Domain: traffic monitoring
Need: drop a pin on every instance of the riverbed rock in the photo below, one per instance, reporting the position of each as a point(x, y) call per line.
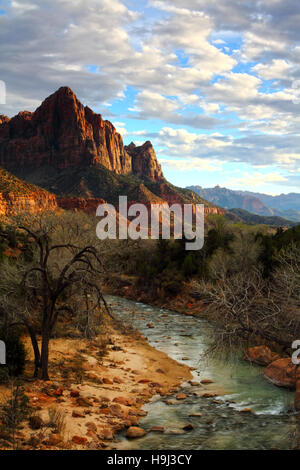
point(79, 440)
point(54, 439)
point(207, 381)
point(188, 427)
point(107, 434)
point(84, 402)
point(157, 429)
point(181, 396)
point(193, 383)
point(281, 373)
point(261, 355)
point(134, 432)
point(91, 426)
point(107, 381)
point(124, 401)
point(246, 410)
point(77, 414)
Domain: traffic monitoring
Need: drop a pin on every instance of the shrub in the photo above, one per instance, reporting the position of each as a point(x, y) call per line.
point(57, 420)
point(13, 411)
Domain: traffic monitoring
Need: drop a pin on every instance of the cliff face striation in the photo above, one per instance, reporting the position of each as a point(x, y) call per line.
point(62, 134)
point(17, 197)
point(144, 161)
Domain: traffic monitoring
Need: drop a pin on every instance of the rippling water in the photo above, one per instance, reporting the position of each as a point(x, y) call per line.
point(222, 425)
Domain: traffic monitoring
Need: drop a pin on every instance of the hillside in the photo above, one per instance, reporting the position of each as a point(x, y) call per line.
point(17, 196)
point(286, 206)
point(254, 219)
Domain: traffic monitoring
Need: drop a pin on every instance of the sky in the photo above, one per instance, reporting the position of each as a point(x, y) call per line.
point(215, 85)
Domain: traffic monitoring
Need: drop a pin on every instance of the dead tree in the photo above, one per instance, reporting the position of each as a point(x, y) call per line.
point(63, 278)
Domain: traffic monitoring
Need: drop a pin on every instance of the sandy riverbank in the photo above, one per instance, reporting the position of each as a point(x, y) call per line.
point(110, 396)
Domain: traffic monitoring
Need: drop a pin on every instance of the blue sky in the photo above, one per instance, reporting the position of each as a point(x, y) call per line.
point(214, 85)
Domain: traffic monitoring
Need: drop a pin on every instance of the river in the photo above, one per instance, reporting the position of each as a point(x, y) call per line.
point(222, 425)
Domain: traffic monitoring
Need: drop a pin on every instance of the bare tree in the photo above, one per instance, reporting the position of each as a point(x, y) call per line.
point(247, 307)
point(62, 278)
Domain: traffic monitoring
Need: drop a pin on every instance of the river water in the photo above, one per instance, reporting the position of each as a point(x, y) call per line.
point(222, 425)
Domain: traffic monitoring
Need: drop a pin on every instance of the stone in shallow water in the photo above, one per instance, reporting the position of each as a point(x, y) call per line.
point(134, 432)
point(157, 429)
point(181, 396)
point(188, 427)
point(246, 410)
point(207, 381)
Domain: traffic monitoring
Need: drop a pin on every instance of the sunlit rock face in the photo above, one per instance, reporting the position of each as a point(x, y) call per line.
point(62, 133)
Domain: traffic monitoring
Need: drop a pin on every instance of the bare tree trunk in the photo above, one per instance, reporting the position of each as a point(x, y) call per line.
point(36, 350)
point(45, 355)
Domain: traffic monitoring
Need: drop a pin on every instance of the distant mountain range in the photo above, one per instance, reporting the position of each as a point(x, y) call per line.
point(254, 219)
point(284, 205)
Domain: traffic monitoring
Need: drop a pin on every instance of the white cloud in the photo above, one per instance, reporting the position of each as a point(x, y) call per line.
point(191, 164)
point(256, 179)
point(278, 68)
point(179, 62)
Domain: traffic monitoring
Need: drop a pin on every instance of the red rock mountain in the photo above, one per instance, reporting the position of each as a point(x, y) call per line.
point(62, 133)
point(72, 152)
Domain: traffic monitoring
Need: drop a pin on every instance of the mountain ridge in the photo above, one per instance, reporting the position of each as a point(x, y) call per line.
point(63, 133)
point(75, 154)
point(284, 205)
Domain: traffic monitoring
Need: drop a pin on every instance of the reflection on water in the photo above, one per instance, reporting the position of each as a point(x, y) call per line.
point(222, 425)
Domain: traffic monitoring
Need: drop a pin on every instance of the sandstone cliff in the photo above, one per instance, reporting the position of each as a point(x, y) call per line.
point(144, 161)
point(62, 133)
point(17, 197)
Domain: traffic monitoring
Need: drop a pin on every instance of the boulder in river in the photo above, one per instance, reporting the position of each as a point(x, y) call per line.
point(135, 431)
point(157, 429)
point(261, 355)
point(282, 373)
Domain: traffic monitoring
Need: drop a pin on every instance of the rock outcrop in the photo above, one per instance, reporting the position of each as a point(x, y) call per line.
point(3, 118)
point(62, 133)
point(144, 161)
point(15, 204)
point(17, 197)
point(79, 203)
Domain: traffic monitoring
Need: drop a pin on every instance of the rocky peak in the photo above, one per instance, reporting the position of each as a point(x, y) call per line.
point(3, 119)
point(144, 161)
point(62, 133)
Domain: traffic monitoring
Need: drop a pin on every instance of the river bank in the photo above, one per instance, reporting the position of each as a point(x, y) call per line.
point(106, 399)
point(156, 378)
point(183, 302)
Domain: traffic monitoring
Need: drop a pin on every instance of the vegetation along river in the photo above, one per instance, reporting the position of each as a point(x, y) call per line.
point(239, 385)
